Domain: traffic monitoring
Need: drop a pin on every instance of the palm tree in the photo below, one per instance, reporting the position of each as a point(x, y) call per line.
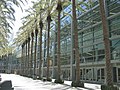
point(28, 21)
point(76, 53)
point(108, 67)
point(7, 17)
point(31, 59)
point(26, 52)
point(26, 28)
point(40, 61)
point(44, 48)
point(59, 9)
point(76, 49)
point(3, 38)
point(39, 7)
point(47, 6)
point(6, 20)
point(52, 13)
point(48, 41)
point(35, 53)
point(28, 55)
point(22, 58)
point(22, 39)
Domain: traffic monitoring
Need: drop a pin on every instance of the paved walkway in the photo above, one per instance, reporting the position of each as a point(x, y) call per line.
point(24, 83)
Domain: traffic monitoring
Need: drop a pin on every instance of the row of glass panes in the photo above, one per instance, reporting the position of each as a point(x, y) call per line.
point(115, 26)
point(91, 36)
point(89, 18)
point(113, 6)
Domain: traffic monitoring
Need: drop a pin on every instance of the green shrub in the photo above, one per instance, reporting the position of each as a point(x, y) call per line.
point(77, 84)
point(105, 87)
point(59, 81)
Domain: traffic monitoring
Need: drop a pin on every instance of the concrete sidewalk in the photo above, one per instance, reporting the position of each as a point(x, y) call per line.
point(24, 83)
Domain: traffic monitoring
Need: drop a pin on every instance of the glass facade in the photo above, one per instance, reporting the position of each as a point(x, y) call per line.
point(90, 40)
point(91, 45)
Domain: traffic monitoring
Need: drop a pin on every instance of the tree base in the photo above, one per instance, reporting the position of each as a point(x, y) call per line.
point(49, 79)
point(105, 87)
point(39, 78)
point(59, 81)
point(44, 79)
point(77, 84)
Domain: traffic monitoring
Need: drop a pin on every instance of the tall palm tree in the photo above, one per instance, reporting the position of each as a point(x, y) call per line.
point(22, 58)
point(35, 53)
point(7, 13)
point(28, 55)
point(59, 9)
point(6, 20)
point(108, 67)
point(31, 59)
point(22, 38)
point(27, 22)
point(40, 61)
point(48, 8)
point(48, 42)
point(26, 52)
point(39, 8)
point(44, 48)
point(76, 49)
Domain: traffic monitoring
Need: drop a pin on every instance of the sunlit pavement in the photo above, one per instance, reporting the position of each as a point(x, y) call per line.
point(23, 83)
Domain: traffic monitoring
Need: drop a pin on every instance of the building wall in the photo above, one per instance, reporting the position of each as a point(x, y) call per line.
point(91, 46)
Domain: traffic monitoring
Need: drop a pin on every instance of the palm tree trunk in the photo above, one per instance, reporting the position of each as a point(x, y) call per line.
point(31, 61)
point(58, 53)
point(59, 8)
point(106, 43)
point(74, 27)
point(48, 42)
point(40, 61)
point(26, 59)
point(22, 60)
point(35, 53)
point(44, 48)
point(28, 56)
